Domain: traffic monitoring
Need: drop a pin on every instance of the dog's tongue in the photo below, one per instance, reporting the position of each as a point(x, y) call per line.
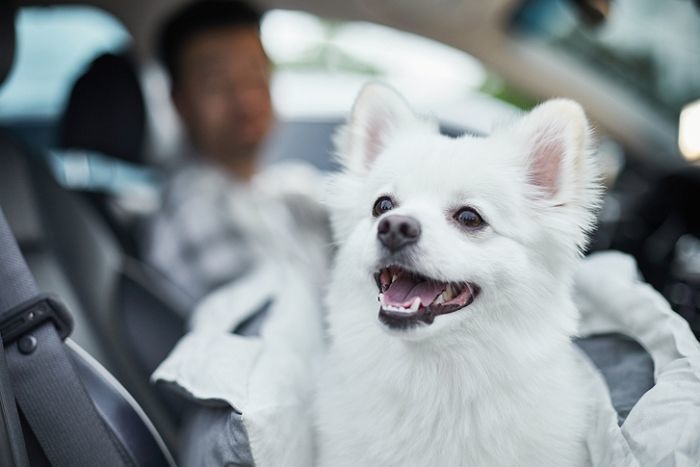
point(404, 290)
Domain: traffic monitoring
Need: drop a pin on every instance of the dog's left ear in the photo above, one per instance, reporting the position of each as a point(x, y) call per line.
point(557, 136)
point(379, 111)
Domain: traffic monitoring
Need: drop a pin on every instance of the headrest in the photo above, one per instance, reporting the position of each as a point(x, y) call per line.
point(106, 112)
point(17, 196)
point(7, 38)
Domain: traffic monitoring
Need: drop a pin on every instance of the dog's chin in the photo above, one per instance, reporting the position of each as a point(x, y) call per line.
point(413, 306)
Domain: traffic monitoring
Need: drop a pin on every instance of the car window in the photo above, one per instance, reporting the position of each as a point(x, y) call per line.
point(320, 64)
point(54, 44)
point(647, 46)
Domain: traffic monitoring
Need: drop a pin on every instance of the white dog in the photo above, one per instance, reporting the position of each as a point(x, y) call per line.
point(449, 304)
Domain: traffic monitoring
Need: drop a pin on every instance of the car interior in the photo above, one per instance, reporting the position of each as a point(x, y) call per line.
point(72, 253)
point(78, 236)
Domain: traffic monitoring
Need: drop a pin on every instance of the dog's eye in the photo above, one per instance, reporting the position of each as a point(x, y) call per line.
point(468, 217)
point(382, 205)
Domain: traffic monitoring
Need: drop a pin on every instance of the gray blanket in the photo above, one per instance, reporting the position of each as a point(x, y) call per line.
point(216, 436)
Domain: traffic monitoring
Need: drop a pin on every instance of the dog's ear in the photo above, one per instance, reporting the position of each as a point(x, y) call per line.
point(557, 136)
point(378, 112)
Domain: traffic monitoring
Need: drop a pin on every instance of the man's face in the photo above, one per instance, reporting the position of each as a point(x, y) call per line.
point(223, 94)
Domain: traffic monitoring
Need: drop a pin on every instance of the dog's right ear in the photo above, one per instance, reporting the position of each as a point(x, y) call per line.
point(378, 112)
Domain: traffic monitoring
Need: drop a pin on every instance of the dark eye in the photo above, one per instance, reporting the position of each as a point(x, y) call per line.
point(469, 218)
point(382, 205)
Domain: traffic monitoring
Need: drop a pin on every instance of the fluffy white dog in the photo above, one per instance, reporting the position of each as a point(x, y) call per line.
point(450, 308)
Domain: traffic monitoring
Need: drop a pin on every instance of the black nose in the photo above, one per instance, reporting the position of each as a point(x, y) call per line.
point(395, 231)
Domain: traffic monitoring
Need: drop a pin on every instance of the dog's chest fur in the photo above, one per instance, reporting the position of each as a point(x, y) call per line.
point(377, 407)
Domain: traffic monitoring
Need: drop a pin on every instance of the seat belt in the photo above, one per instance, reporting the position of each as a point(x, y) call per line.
point(48, 390)
point(10, 429)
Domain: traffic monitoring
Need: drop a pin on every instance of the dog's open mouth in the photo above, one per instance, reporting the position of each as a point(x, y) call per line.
point(407, 298)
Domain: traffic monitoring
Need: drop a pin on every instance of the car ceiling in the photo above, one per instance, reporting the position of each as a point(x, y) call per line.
point(477, 27)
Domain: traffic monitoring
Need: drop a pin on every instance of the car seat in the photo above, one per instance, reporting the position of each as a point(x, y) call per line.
point(71, 410)
point(106, 116)
point(126, 315)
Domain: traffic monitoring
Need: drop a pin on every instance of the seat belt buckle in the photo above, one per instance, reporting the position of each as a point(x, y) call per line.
point(33, 313)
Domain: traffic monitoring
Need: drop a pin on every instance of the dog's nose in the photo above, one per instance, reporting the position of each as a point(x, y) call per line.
point(396, 231)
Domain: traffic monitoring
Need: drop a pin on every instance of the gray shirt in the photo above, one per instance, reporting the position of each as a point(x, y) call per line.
point(213, 229)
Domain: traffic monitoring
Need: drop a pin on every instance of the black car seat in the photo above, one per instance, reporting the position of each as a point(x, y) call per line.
point(59, 407)
point(126, 315)
point(106, 114)
point(106, 110)
point(71, 410)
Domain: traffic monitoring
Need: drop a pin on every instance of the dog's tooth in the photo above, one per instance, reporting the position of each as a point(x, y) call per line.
point(449, 292)
point(393, 278)
point(416, 304)
point(440, 299)
point(380, 297)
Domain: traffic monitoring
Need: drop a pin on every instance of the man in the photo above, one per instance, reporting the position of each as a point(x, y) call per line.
point(220, 219)
point(249, 240)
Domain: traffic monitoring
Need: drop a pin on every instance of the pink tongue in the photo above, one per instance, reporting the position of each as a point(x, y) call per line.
point(404, 290)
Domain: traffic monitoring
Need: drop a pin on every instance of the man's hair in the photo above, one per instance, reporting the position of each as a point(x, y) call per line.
point(196, 18)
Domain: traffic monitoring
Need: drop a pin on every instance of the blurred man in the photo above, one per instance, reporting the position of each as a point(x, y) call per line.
point(220, 219)
point(252, 241)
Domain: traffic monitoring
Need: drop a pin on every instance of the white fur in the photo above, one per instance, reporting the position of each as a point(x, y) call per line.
point(496, 383)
